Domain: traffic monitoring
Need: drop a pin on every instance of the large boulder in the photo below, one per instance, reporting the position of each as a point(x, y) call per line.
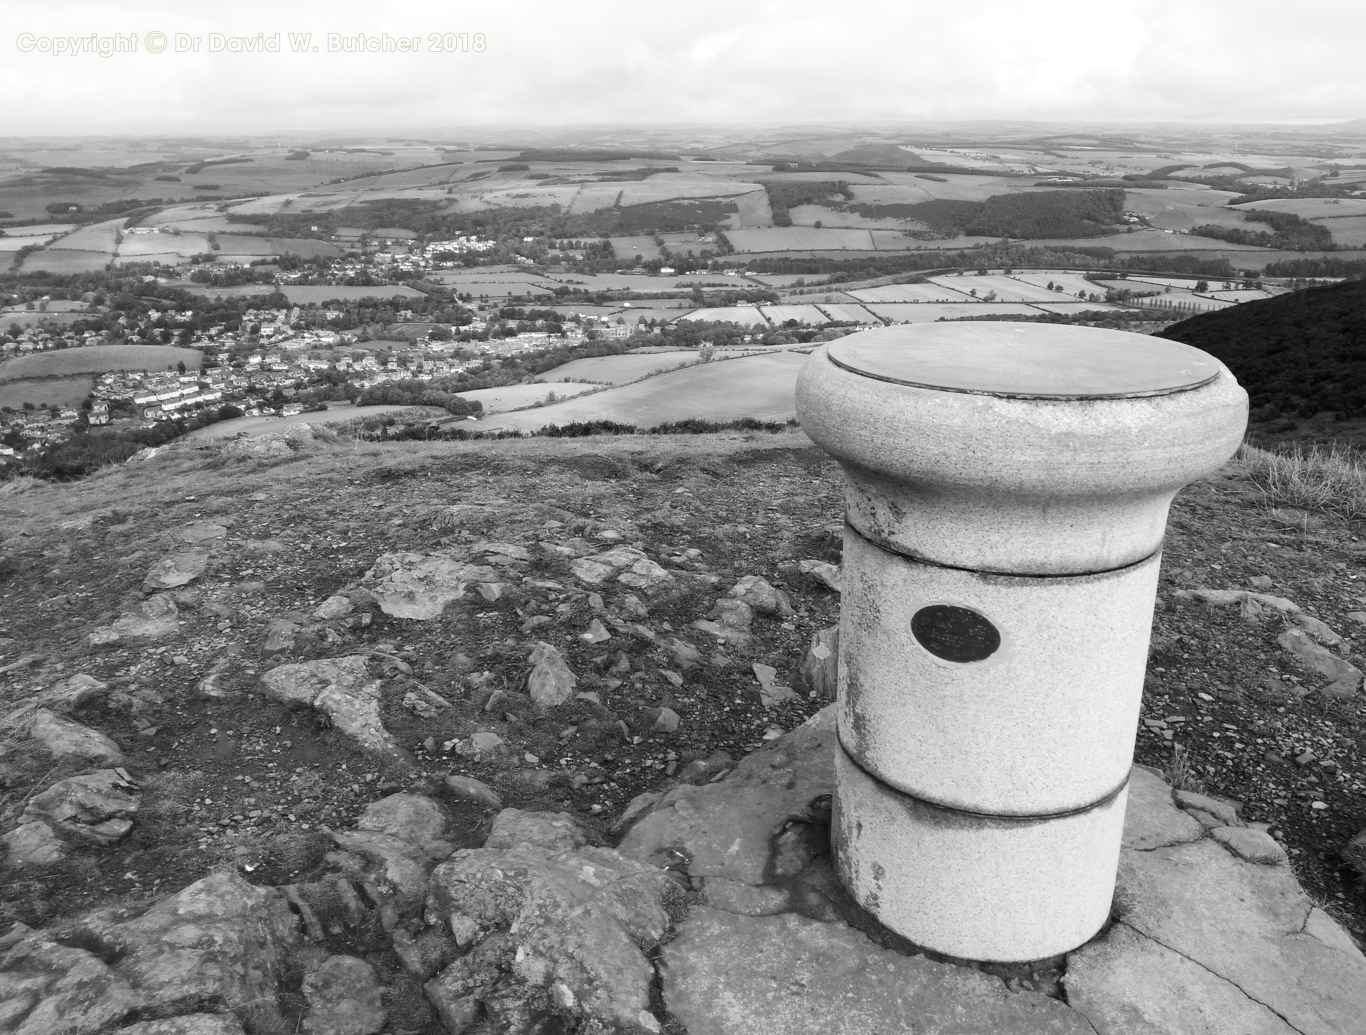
point(411, 817)
point(67, 739)
point(550, 681)
point(341, 689)
point(178, 569)
point(47, 988)
point(156, 618)
point(220, 941)
point(419, 586)
point(98, 807)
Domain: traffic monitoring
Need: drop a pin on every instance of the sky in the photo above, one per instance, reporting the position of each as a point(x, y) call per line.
point(608, 62)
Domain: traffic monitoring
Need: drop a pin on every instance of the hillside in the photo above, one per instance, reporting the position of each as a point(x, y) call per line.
point(1298, 355)
point(149, 602)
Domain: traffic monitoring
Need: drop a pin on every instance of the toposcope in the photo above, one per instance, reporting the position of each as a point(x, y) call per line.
point(1006, 496)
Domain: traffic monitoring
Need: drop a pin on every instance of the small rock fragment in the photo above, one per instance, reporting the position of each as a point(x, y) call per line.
point(550, 681)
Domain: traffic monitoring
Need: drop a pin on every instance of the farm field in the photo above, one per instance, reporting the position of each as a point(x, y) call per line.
point(931, 291)
point(1182, 210)
point(929, 312)
point(185, 244)
point(753, 210)
point(1007, 289)
point(230, 291)
point(514, 397)
point(336, 413)
point(305, 294)
point(1311, 208)
point(745, 315)
point(1071, 282)
point(796, 238)
point(1068, 308)
point(98, 359)
point(66, 260)
point(618, 370)
point(13, 244)
point(55, 391)
point(1347, 231)
point(845, 313)
point(625, 248)
point(97, 237)
point(809, 215)
point(762, 387)
point(35, 318)
point(780, 314)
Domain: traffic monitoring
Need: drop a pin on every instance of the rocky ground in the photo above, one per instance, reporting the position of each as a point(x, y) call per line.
point(216, 660)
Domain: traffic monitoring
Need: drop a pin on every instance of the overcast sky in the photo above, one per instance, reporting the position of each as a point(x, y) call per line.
point(574, 62)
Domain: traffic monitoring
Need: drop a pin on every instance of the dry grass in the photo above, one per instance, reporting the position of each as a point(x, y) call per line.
point(1327, 479)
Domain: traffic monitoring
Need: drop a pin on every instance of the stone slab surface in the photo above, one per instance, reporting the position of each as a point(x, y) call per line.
point(1244, 923)
point(726, 829)
point(1150, 821)
point(1127, 984)
point(790, 975)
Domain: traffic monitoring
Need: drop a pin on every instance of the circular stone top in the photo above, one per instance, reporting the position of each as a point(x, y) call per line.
point(1025, 360)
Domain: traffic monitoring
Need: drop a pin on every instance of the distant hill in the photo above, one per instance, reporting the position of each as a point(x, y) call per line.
point(1297, 355)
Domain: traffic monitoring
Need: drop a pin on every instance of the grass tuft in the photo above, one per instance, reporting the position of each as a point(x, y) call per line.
point(1328, 479)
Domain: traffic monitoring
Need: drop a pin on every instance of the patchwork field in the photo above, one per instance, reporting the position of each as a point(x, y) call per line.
point(1006, 289)
point(618, 370)
point(929, 312)
point(66, 260)
point(762, 387)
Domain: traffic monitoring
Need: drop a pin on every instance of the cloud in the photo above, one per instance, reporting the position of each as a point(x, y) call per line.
point(608, 61)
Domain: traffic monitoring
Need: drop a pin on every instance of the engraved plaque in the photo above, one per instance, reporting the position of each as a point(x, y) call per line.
point(955, 633)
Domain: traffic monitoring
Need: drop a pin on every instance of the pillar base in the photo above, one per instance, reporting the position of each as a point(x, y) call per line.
point(1001, 889)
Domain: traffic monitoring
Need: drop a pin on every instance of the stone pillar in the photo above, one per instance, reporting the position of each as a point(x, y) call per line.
point(1006, 490)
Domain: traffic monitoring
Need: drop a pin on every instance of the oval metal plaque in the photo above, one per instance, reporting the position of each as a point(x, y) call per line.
point(955, 633)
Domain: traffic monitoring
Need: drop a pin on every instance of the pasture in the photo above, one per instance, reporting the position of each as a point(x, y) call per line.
point(516, 397)
point(762, 387)
point(1184, 210)
point(807, 314)
point(754, 210)
point(618, 370)
point(1071, 282)
point(745, 315)
point(66, 260)
point(798, 238)
point(309, 294)
point(1312, 208)
point(626, 247)
point(1006, 289)
point(98, 359)
point(55, 391)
